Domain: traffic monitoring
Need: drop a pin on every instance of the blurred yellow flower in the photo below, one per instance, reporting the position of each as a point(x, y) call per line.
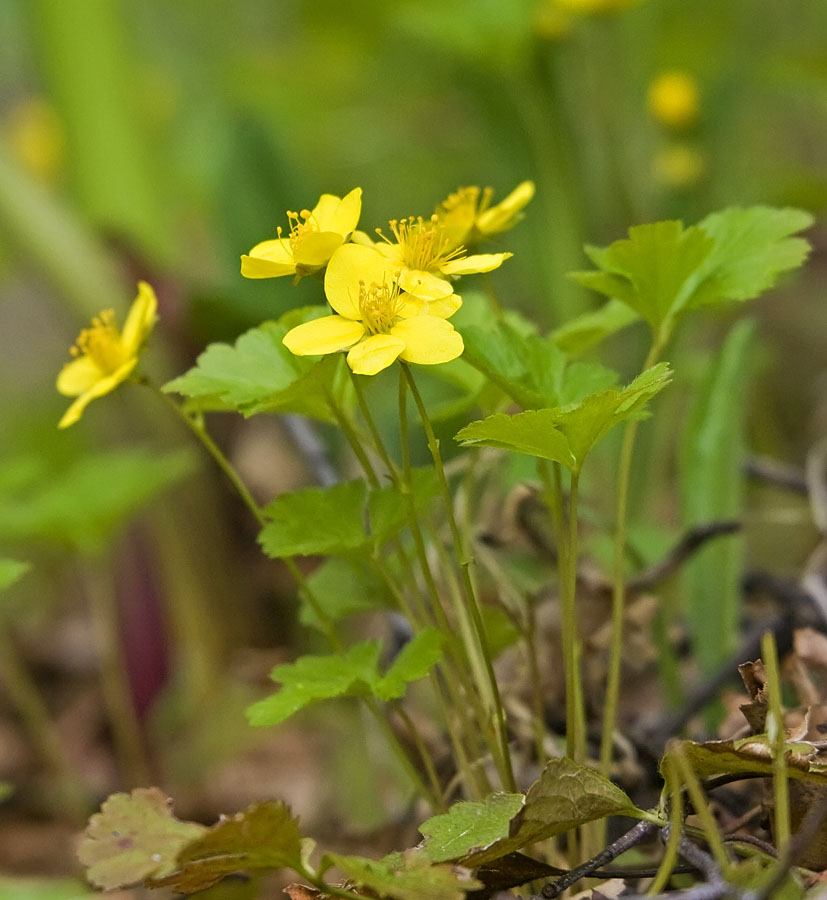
point(673, 100)
point(425, 257)
point(314, 236)
point(35, 137)
point(590, 7)
point(374, 319)
point(679, 165)
point(467, 216)
point(105, 356)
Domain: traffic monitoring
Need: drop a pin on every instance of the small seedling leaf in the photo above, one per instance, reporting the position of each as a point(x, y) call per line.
point(264, 836)
point(413, 662)
point(565, 796)
point(408, 876)
point(469, 827)
point(316, 520)
point(134, 837)
point(313, 678)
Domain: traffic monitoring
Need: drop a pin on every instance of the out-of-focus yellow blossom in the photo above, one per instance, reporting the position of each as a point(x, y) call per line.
point(552, 22)
point(35, 137)
point(374, 319)
point(592, 7)
point(425, 257)
point(105, 356)
point(673, 100)
point(467, 216)
point(679, 165)
point(314, 237)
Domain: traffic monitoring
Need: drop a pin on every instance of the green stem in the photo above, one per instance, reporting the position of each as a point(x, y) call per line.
point(378, 443)
point(670, 855)
point(700, 804)
point(425, 756)
point(619, 578)
point(35, 717)
point(575, 729)
point(478, 649)
point(117, 697)
point(777, 739)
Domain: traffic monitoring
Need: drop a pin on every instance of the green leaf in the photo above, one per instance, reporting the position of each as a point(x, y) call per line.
point(591, 328)
point(259, 373)
point(316, 520)
point(565, 796)
point(84, 505)
point(567, 434)
point(388, 514)
point(406, 876)
point(11, 571)
point(413, 662)
point(650, 270)
point(134, 837)
point(44, 889)
point(713, 448)
point(313, 678)
point(469, 827)
point(752, 247)
point(344, 587)
point(264, 836)
point(533, 432)
point(752, 755)
point(585, 423)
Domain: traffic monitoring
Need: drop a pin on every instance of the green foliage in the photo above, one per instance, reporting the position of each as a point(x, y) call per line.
point(343, 518)
point(665, 269)
point(264, 836)
point(405, 877)
point(134, 837)
point(82, 506)
point(752, 755)
point(354, 673)
point(11, 571)
point(43, 889)
point(469, 827)
point(711, 458)
point(567, 434)
point(588, 329)
point(566, 795)
point(259, 374)
point(530, 369)
point(343, 587)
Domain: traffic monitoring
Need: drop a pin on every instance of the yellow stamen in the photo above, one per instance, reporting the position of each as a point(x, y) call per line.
point(378, 306)
point(423, 245)
point(102, 343)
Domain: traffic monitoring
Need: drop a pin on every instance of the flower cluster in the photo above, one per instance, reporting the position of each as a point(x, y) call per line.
point(391, 297)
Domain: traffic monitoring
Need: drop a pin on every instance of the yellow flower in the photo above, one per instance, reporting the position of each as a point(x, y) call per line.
point(425, 257)
point(104, 356)
point(374, 319)
point(468, 217)
point(673, 100)
point(591, 7)
point(314, 236)
point(679, 165)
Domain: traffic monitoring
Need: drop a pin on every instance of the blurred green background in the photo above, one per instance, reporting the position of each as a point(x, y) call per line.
point(161, 140)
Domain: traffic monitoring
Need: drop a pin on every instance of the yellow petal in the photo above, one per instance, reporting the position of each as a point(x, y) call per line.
point(423, 284)
point(78, 376)
point(347, 212)
point(325, 335)
point(315, 248)
point(375, 353)
point(350, 265)
point(480, 262)
point(428, 340)
point(445, 307)
point(407, 305)
point(98, 389)
point(140, 319)
point(502, 216)
point(269, 259)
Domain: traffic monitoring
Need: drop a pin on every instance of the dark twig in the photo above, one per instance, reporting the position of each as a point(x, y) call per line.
point(761, 468)
point(634, 836)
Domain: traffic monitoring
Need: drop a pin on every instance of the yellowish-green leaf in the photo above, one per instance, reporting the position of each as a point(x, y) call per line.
point(469, 827)
point(134, 837)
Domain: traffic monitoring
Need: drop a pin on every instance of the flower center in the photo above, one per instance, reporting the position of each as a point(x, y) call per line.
point(378, 306)
point(301, 224)
point(102, 343)
point(423, 245)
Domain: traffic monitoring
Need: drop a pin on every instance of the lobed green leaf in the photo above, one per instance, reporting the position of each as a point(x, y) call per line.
point(470, 827)
point(134, 837)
